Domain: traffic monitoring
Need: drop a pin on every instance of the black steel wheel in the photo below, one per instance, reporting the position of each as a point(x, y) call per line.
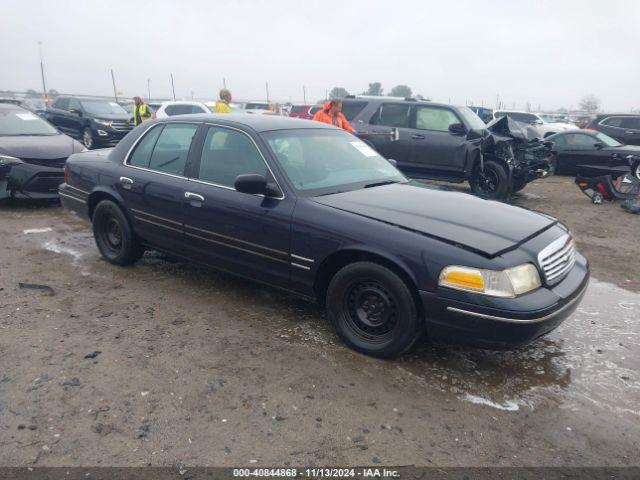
point(373, 310)
point(490, 182)
point(114, 236)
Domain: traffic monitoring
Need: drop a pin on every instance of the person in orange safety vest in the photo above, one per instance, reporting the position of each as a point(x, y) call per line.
point(331, 113)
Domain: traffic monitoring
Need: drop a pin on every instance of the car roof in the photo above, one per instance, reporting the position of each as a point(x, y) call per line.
point(259, 123)
point(603, 115)
point(380, 99)
point(584, 131)
point(181, 102)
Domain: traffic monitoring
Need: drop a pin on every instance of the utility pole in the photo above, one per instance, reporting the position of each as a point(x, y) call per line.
point(267, 85)
point(191, 94)
point(173, 88)
point(44, 87)
point(304, 94)
point(224, 83)
point(113, 80)
point(149, 89)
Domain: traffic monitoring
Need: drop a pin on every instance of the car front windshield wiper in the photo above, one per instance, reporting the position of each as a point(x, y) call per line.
point(378, 184)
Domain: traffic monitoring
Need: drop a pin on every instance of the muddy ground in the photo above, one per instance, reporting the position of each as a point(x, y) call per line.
point(166, 363)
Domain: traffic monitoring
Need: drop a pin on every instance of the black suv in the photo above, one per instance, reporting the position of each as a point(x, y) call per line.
point(432, 140)
point(96, 123)
point(624, 127)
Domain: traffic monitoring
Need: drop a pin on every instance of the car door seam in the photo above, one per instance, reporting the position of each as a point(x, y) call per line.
point(235, 247)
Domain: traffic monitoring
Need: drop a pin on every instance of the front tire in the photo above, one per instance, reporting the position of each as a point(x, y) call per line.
point(493, 183)
point(114, 236)
point(373, 310)
point(87, 138)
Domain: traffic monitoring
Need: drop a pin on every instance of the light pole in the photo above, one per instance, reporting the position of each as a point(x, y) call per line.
point(44, 87)
point(149, 89)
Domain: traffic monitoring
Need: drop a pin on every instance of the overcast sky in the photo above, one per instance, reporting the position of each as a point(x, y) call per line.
point(547, 53)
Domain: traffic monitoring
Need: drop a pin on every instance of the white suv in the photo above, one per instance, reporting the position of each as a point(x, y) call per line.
point(545, 128)
point(169, 109)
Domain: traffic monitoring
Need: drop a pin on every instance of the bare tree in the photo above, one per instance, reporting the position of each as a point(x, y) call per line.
point(590, 103)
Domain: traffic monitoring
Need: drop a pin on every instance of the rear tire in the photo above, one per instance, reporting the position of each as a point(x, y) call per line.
point(114, 236)
point(373, 310)
point(493, 183)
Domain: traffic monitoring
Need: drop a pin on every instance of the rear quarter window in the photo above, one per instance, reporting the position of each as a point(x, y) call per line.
point(142, 153)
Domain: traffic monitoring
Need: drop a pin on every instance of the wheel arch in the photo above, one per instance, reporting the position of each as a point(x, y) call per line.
point(341, 258)
point(101, 193)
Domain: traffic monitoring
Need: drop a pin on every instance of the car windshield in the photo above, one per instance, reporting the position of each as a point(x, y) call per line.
point(474, 121)
point(96, 107)
point(607, 140)
point(320, 162)
point(23, 122)
point(299, 108)
point(547, 118)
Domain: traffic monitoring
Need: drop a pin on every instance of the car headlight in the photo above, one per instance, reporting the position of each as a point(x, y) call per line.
point(9, 160)
point(99, 121)
point(496, 283)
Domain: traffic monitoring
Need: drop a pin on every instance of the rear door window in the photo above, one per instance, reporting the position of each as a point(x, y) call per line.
point(61, 103)
point(612, 122)
point(392, 115)
point(226, 154)
point(180, 110)
point(74, 105)
point(351, 109)
point(141, 156)
point(172, 147)
point(580, 141)
point(432, 118)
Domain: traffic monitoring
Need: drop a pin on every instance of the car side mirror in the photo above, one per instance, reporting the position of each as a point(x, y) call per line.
point(255, 184)
point(457, 129)
point(392, 162)
point(599, 145)
point(394, 134)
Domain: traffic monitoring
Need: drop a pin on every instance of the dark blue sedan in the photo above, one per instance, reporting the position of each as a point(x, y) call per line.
point(311, 209)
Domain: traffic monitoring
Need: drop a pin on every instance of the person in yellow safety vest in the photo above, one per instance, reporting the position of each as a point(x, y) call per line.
point(222, 105)
point(141, 112)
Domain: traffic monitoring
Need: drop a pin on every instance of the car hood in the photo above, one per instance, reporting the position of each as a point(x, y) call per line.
point(115, 116)
point(40, 147)
point(626, 150)
point(485, 226)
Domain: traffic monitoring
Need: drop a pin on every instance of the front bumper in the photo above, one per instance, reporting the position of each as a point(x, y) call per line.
point(28, 180)
point(107, 136)
point(506, 323)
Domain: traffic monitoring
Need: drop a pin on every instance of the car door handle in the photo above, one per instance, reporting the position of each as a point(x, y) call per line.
point(195, 200)
point(126, 182)
point(417, 137)
point(630, 132)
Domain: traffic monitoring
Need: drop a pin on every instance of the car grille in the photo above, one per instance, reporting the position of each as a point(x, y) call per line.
point(557, 259)
point(122, 126)
point(46, 162)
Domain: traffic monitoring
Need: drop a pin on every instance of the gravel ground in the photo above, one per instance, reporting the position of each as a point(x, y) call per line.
point(167, 363)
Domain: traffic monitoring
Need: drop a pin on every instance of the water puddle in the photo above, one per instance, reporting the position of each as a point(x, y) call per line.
point(592, 358)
